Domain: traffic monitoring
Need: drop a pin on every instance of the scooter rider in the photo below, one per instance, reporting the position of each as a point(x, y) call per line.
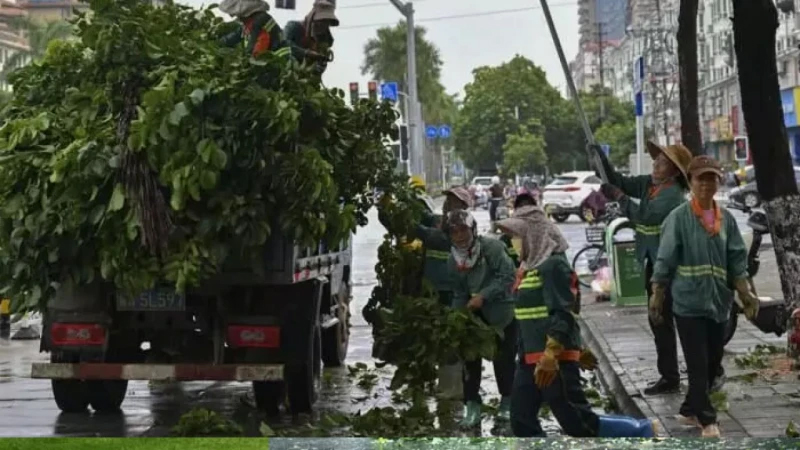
point(549, 364)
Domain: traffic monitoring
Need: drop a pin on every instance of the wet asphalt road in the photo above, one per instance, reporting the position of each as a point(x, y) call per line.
point(27, 408)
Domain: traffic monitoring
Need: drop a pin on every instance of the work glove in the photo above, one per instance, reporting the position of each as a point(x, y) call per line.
point(587, 360)
point(610, 191)
point(656, 307)
point(749, 301)
point(547, 367)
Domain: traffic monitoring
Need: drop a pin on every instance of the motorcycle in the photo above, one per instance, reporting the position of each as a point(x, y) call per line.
point(772, 313)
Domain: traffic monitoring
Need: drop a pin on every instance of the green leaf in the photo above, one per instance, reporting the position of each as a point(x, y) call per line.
point(117, 201)
point(178, 113)
point(197, 96)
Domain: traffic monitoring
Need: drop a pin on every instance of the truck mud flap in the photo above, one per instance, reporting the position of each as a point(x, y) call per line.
point(165, 372)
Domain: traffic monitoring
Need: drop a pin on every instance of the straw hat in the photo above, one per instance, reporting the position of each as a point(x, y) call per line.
point(677, 154)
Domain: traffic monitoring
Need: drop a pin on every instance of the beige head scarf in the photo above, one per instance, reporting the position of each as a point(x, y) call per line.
point(540, 237)
point(242, 9)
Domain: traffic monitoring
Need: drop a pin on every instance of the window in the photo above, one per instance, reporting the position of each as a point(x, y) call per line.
point(593, 180)
point(563, 181)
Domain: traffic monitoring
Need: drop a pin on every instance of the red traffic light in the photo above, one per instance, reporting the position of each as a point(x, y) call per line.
point(353, 87)
point(372, 88)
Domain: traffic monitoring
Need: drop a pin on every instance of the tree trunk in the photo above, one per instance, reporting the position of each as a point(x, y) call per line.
point(687, 64)
point(755, 23)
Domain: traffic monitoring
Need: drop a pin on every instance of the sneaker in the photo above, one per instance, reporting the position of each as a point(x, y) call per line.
point(687, 421)
point(662, 386)
point(711, 431)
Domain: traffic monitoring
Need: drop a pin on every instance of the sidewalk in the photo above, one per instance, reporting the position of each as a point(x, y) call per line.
point(760, 403)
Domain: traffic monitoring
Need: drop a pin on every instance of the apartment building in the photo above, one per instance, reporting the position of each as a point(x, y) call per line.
point(12, 40)
point(601, 25)
point(51, 10)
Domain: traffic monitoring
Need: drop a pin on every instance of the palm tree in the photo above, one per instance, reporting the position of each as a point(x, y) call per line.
point(385, 58)
point(39, 36)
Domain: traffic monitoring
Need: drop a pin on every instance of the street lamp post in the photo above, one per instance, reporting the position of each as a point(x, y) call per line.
point(414, 113)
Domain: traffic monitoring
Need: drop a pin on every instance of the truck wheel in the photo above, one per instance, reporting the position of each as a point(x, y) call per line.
point(71, 396)
point(303, 380)
point(106, 396)
point(268, 396)
point(336, 339)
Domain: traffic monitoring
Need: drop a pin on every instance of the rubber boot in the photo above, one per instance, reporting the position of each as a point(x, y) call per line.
point(622, 426)
point(472, 415)
point(504, 410)
point(450, 385)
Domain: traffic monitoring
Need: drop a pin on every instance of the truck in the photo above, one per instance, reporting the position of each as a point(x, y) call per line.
point(272, 324)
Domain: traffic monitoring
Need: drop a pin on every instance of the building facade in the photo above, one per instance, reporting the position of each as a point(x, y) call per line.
point(601, 25)
point(12, 40)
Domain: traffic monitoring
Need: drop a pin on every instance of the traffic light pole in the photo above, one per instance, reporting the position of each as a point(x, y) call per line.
point(417, 162)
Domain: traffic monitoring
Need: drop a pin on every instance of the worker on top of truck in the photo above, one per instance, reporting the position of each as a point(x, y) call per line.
point(311, 40)
point(257, 31)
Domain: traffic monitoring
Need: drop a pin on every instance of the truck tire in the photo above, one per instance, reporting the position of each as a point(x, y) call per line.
point(71, 396)
point(269, 395)
point(106, 396)
point(303, 380)
point(336, 339)
point(560, 218)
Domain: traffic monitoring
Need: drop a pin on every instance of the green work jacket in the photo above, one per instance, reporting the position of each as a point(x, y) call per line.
point(492, 276)
point(700, 268)
point(545, 308)
point(650, 213)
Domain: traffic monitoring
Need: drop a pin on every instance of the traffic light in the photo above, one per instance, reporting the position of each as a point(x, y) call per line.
point(741, 148)
point(372, 88)
point(353, 93)
point(404, 142)
point(285, 4)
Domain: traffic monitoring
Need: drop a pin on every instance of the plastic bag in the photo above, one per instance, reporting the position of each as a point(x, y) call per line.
point(602, 281)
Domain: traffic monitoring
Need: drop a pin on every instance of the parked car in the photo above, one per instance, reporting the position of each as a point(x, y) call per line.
point(747, 193)
point(564, 195)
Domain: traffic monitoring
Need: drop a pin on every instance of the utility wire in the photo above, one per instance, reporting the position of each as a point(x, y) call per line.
point(459, 16)
point(371, 5)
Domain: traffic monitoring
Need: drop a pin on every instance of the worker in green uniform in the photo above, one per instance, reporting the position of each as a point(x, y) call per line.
point(436, 247)
point(550, 357)
point(658, 193)
point(483, 275)
point(513, 245)
point(257, 30)
point(702, 259)
point(311, 40)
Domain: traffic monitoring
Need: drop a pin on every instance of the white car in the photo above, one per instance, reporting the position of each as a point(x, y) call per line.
point(564, 195)
point(480, 187)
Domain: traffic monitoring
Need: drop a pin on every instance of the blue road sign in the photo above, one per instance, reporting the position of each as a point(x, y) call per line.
point(389, 91)
point(606, 149)
point(431, 131)
point(638, 88)
point(444, 131)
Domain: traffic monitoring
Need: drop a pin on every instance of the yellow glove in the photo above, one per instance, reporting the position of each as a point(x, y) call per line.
point(547, 367)
point(587, 360)
point(749, 301)
point(656, 306)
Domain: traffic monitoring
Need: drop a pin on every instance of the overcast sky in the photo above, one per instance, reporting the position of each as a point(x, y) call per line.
point(488, 37)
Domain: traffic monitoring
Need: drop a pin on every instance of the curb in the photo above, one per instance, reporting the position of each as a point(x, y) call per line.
point(614, 378)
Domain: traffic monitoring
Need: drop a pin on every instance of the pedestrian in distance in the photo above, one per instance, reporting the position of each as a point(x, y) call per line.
point(702, 260)
point(311, 40)
point(659, 193)
point(436, 247)
point(483, 275)
point(257, 30)
point(550, 356)
point(496, 193)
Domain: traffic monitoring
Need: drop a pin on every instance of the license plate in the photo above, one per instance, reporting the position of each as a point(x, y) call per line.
point(153, 300)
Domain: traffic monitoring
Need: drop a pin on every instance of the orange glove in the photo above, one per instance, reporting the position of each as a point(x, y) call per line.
point(547, 367)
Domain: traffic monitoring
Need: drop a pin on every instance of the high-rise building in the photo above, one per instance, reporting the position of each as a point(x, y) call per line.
point(601, 27)
point(51, 10)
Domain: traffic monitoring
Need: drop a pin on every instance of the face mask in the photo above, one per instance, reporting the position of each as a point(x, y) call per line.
point(516, 244)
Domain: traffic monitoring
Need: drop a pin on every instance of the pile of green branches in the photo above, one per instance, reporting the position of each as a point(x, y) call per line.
point(142, 152)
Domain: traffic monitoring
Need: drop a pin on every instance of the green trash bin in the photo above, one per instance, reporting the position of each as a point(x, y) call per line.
point(627, 280)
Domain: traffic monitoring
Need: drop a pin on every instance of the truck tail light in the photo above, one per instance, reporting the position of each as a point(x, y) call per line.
point(77, 334)
point(254, 336)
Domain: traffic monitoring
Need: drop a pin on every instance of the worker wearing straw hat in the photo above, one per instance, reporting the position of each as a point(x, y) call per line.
point(659, 193)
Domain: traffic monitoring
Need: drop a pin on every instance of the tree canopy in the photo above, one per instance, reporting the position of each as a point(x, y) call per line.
point(512, 117)
point(385, 58)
